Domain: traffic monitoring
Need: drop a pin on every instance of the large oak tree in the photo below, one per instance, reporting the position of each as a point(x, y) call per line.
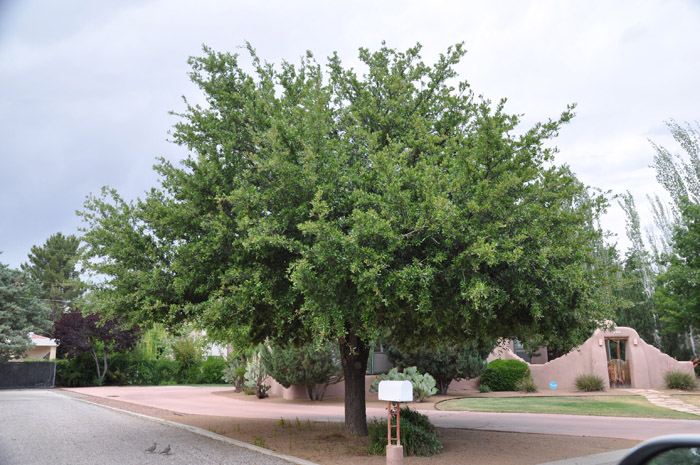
point(319, 203)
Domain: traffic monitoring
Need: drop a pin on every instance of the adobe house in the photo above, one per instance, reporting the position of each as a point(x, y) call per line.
point(44, 348)
point(619, 356)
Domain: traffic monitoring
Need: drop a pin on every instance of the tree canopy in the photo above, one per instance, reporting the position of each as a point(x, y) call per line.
point(322, 204)
point(53, 265)
point(21, 312)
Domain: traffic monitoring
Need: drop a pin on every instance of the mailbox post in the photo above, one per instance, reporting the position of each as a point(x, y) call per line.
point(395, 392)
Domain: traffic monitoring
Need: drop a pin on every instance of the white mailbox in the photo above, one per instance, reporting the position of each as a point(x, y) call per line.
point(396, 391)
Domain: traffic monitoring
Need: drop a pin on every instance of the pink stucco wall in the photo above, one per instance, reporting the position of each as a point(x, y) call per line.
point(647, 363)
point(299, 392)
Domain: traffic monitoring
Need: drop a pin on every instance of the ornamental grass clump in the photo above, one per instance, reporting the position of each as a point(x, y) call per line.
point(676, 379)
point(418, 435)
point(527, 384)
point(589, 383)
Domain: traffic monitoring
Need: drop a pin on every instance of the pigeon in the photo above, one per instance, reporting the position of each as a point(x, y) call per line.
point(152, 449)
point(166, 451)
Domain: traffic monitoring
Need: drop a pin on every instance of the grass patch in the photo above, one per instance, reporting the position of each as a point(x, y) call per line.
point(692, 399)
point(611, 406)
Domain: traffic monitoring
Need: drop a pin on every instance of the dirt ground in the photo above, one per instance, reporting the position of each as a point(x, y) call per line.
point(327, 443)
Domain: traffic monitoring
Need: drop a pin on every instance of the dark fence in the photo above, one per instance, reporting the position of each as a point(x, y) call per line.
point(16, 375)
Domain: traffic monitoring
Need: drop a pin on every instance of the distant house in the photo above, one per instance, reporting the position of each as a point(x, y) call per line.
point(44, 348)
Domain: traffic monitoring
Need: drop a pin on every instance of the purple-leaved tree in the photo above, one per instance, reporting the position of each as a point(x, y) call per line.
point(77, 333)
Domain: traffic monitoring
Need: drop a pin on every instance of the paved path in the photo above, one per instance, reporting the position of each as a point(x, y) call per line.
point(662, 400)
point(203, 401)
point(45, 427)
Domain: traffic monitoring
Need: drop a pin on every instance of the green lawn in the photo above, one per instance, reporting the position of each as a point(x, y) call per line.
point(612, 406)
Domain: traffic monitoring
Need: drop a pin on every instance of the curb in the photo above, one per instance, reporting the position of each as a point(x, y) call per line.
point(209, 434)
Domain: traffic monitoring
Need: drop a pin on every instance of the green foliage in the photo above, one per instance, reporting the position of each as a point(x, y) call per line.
point(234, 372)
point(526, 384)
point(255, 375)
point(319, 203)
point(676, 379)
point(212, 370)
point(21, 312)
point(423, 384)
point(484, 388)
point(188, 356)
point(503, 375)
point(310, 365)
point(418, 435)
point(445, 363)
point(53, 265)
point(589, 383)
point(154, 342)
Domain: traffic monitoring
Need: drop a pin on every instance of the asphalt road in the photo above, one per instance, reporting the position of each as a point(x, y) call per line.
point(43, 427)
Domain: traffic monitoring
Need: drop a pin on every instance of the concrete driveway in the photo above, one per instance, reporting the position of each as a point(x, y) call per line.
point(204, 401)
point(45, 427)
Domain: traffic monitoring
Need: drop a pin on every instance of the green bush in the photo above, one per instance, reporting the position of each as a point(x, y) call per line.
point(188, 356)
point(503, 375)
point(680, 380)
point(212, 370)
point(484, 388)
point(423, 385)
point(234, 373)
point(589, 383)
point(418, 435)
point(310, 366)
point(527, 384)
point(445, 363)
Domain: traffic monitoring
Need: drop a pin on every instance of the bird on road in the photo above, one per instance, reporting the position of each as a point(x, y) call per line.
point(152, 449)
point(166, 451)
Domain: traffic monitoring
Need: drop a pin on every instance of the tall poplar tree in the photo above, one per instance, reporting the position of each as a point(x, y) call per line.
point(329, 204)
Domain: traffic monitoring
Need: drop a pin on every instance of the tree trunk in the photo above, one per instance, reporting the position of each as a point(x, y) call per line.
point(354, 353)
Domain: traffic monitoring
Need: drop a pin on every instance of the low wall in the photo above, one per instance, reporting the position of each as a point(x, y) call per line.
point(648, 364)
point(299, 392)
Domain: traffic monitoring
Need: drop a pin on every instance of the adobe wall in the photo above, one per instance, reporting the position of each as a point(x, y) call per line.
point(299, 392)
point(647, 363)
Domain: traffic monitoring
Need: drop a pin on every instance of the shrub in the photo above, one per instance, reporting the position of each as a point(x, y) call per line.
point(527, 384)
point(680, 380)
point(502, 375)
point(444, 363)
point(188, 356)
point(484, 388)
point(423, 385)
point(212, 370)
point(255, 375)
point(589, 383)
point(418, 435)
point(234, 373)
point(310, 366)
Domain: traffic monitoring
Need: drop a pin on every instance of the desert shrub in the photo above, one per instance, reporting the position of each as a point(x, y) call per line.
point(234, 373)
point(445, 363)
point(676, 379)
point(165, 372)
point(526, 384)
point(589, 383)
point(310, 366)
point(418, 435)
point(255, 375)
point(423, 385)
point(502, 375)
point(212, 370)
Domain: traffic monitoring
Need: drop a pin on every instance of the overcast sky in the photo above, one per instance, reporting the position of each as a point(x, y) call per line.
point(86, 86)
